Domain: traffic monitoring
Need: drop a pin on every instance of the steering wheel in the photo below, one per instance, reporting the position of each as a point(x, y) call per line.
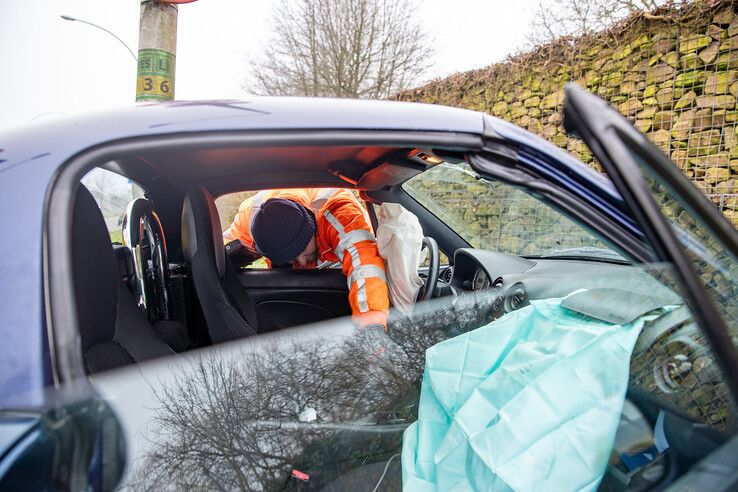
point(429, 289)
point(144, 237)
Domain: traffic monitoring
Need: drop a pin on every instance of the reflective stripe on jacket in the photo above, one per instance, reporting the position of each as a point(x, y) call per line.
point(344, 235)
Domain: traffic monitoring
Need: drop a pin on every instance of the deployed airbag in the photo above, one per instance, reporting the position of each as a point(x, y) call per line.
point(530, 401)
point(400, 240)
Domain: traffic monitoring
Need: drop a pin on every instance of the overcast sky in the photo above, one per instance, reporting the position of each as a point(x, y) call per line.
point(53, 66)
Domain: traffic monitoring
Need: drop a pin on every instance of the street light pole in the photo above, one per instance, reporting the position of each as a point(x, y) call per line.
point(70, 18)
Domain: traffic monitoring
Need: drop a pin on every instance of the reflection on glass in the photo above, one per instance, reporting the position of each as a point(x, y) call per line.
point(292, 410)
point(686, 372)
point(327, 405)
point(496, 216)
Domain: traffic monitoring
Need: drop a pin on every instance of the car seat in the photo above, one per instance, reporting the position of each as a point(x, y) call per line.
point(229, 312)
point(113, 331)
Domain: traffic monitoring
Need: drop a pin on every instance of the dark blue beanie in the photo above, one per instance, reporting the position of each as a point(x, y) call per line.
point(282, 229)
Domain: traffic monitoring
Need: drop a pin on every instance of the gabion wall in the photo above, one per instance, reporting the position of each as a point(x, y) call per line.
point(672, 72)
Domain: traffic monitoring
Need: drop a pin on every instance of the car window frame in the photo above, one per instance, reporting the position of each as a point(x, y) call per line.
point(60, 315)
point(611, 138)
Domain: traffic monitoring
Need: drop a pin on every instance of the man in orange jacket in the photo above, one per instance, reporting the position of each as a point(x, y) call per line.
point(311, 227)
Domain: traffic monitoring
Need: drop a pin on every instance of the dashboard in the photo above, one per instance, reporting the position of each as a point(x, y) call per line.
point(524, 279)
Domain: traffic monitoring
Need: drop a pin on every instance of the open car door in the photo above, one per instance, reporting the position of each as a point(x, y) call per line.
point(685, 231)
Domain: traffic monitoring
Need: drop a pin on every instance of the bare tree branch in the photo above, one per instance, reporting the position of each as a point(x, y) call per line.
point(342, 48)
point(559, 18)
point(233, 420)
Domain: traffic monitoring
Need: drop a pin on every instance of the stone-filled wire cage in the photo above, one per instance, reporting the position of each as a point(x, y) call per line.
point(672, 72)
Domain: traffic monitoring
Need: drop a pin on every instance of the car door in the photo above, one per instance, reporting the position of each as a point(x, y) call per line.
point(685, 231)
point(284, 297)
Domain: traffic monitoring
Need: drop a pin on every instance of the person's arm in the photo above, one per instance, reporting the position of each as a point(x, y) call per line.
point(239, 244)
point(356, 247)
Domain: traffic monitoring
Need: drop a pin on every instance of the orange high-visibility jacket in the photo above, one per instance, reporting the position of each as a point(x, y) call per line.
point(344, 235)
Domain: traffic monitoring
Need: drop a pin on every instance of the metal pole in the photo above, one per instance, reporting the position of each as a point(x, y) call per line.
point(157, 49)
point(70, 18)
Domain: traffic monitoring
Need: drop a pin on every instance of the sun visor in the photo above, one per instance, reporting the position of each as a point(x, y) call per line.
point(388, 174)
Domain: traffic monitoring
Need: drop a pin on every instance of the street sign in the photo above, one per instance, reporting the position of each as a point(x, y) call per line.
point(155, 79)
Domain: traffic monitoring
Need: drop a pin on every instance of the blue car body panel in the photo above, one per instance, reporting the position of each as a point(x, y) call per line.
point(12, 430)
point(30, 157)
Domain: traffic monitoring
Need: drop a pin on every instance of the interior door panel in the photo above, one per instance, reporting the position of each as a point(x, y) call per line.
point(286, 297)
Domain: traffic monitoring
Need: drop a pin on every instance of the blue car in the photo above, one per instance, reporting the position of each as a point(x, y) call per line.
point(116, 277)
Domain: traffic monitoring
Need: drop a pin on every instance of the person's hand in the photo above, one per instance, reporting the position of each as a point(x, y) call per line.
point(374, 326)
point(375, 340)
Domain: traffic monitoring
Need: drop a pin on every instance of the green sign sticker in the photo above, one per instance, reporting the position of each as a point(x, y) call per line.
point(155, 79)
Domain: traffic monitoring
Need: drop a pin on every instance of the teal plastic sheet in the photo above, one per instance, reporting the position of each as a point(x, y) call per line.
point(529, 402)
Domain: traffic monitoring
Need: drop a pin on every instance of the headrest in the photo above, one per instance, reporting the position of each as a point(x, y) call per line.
point(201, 227)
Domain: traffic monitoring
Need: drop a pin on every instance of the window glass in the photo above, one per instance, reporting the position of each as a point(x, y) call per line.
point(228, 207)
point(709, 398)
point(329, 406)
point(228, 204)
point(717, 267)
point(113, 193)
point(673, 360)
point(496, 216)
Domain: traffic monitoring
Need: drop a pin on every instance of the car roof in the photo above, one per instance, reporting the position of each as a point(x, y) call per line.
point(83, 130)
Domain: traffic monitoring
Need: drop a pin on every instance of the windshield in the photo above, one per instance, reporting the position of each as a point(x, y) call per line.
point(499, 217)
